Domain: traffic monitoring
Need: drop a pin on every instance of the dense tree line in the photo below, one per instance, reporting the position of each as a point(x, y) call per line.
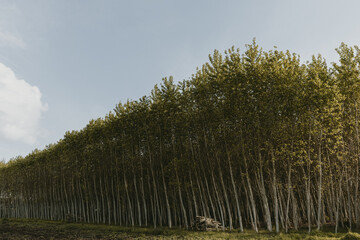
point(254, 140)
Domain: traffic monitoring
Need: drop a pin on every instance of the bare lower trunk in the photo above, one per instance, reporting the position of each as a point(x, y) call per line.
point(319, 189)
point(287, 222)
point(276, 204)
point(236, 195)
point(181, 202)
point(166, 198)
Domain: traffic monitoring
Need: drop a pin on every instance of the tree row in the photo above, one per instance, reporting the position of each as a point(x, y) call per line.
point(254, 140)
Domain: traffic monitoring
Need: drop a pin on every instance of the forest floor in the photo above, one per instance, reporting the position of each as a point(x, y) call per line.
point(41, 229)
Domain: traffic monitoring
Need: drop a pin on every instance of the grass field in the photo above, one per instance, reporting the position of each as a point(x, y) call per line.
point(40, 229)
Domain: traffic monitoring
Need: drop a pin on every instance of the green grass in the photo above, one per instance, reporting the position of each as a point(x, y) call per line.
point(42, 229)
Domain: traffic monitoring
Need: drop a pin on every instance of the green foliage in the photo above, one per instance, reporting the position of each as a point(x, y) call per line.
point(253, 138)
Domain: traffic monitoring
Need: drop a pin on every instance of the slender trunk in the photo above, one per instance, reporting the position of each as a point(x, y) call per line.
point(235, 194)
point(194, 196)
point(251, 196)
point(204, 203)
point(357, 152)
point(276, 204)
point(221, 207)
point(137, 200)
point(320, 186)
point(143, 196)
point(226, 198)
point(181, 201)
point(338, 199)
point(289, 189)
point(308, 187)
point(129, 202)
point(166, 197)
point(295, 210)
point(349, 199)
point(261, 185)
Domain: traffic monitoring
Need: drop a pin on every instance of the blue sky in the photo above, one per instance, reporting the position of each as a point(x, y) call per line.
point(63, 63)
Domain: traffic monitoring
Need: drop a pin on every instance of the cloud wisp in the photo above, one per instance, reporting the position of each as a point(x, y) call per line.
point(9, 40)
point(20, 108)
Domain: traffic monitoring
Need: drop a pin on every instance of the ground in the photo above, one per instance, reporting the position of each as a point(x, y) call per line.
point(41, 229)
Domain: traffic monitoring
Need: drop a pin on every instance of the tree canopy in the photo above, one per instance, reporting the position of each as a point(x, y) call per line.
point(254, 139)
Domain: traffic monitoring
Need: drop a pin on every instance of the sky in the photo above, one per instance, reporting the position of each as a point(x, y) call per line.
point(63, 63)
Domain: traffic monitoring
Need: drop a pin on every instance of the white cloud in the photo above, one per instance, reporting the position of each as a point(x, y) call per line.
point(20, 108)
point(7, 39)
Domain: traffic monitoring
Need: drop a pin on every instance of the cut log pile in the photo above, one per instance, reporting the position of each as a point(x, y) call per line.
point(202, 223)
